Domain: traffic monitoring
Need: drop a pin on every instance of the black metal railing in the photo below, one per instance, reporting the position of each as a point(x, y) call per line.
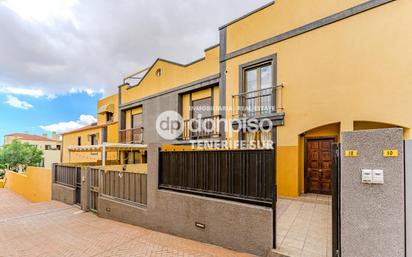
point(125, 186)
point(258, 102)
point(131, 136)
point(239, 175)
point(205, 127)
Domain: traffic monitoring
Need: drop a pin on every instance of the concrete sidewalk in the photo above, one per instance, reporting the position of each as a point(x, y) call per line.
point(304, 226)
point(56, 229)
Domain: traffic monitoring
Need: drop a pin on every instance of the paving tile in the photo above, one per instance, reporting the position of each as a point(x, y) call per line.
point(55, 229)
point(294, 243)
point(308, 222)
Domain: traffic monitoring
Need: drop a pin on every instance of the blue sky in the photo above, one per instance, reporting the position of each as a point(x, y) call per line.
point(61, 109)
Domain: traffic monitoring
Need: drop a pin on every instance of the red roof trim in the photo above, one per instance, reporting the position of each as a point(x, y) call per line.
point(29, 137)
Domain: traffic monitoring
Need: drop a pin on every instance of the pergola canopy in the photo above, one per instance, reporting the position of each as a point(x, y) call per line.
point(108, 147)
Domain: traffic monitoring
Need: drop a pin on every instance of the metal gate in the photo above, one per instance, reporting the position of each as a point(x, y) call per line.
point(336, 170)
point(93, 189)
point(78, 185)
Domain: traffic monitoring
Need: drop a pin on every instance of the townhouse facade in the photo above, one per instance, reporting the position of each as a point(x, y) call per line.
point(318, 67)
point(315, 69)
point(312, 69)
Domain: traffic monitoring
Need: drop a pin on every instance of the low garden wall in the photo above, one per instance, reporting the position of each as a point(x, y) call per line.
point(34, 184)
point(138, 195)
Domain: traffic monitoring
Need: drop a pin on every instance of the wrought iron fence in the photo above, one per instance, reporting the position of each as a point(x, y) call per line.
point(125, 186)
point(240, 175)
point(258, 102)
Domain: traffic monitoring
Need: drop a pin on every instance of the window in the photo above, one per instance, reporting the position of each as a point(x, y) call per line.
point(47, 147)
point(109, 117)
point(58, 147)
point(202, 109)
point(93, 139)
point(79, 140)
point(258, 88)
point(137, 120)
point(159, 72)
point(135, 157)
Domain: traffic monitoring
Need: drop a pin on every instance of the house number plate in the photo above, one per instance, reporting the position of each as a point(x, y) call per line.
point(390, 153)
point(351, 153)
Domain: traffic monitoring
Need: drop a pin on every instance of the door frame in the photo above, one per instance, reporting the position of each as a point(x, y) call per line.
point(305, 154)
point(336, 200)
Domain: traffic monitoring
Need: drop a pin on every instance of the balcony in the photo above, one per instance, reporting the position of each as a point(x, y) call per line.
point(207, 127)
point(258, 103)
point(131, 136)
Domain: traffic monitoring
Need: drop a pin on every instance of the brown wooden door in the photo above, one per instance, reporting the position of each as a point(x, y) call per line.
point(318, 166)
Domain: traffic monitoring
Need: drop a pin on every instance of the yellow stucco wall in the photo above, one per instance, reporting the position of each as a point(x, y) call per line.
point(113, 132)
point(113, 99)
point(287, 170)
point(173, 75)
point(71, 139)
point(281, 17)
point(331, 74)
point(35, 184)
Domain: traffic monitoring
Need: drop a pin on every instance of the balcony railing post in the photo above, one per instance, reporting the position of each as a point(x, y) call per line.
point(131, 136)
point(256, 102)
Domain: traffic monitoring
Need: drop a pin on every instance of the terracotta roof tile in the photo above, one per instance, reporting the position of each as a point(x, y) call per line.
point(31, 137)
point(91, 126)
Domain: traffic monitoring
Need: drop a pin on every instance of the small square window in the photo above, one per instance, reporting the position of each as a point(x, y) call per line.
point(109, 117)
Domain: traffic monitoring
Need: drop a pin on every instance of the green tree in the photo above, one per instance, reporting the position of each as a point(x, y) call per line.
point(19, 155)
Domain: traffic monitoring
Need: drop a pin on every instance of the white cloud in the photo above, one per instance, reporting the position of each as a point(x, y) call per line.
point(88, 91)
point(87, 119)
point(17, 103)
point(43, 11)
point(66, 126)
point(59, 45)
point(36, 93)
point(22, 91)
